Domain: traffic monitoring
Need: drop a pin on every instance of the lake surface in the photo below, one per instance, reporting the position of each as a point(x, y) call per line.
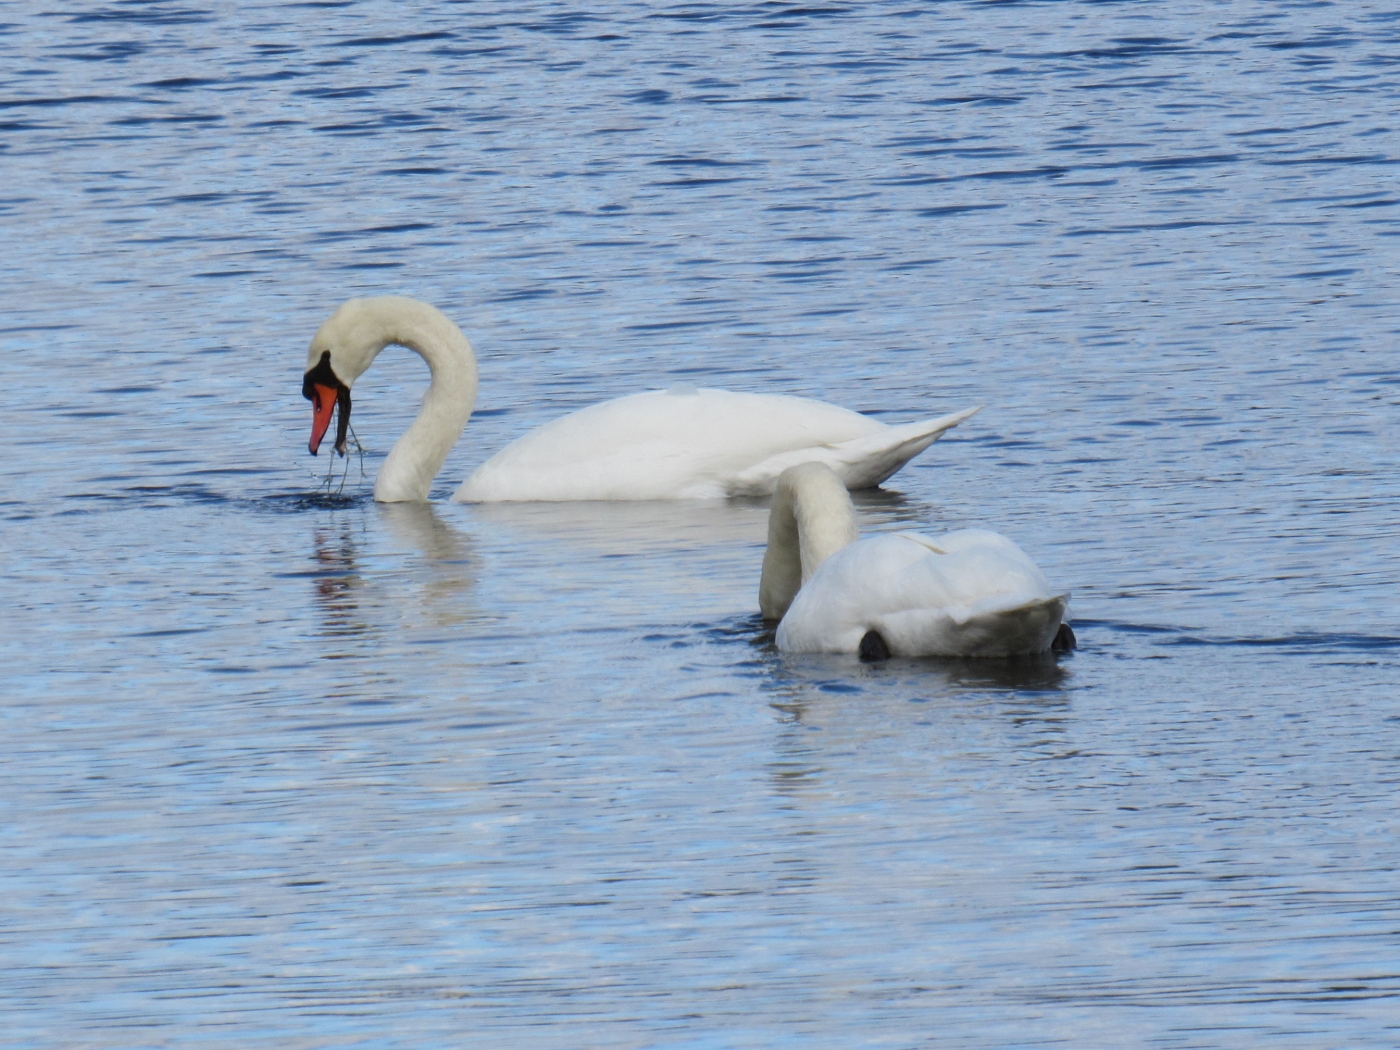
point(285, 767)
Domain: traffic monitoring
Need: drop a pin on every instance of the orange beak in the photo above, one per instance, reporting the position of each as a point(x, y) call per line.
point(323, 388)
point(323, 401)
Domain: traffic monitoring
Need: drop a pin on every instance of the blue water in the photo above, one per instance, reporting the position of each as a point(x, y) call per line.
point(283, 766)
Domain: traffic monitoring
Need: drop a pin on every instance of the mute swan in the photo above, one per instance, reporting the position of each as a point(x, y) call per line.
point(968, 593)
point(684, 443)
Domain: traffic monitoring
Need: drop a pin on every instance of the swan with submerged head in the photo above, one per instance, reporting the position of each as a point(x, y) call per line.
point(967, 593)
point(685, 443)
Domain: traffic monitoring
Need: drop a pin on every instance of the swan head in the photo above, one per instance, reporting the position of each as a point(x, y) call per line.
point(342, 348)
point(323, 388)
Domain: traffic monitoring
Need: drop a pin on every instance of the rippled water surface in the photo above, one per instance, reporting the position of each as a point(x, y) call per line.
point(283, 767)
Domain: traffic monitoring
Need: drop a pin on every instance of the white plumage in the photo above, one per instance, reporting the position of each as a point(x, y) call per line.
point(967, 593)
point(684, 443)
point(692, 443)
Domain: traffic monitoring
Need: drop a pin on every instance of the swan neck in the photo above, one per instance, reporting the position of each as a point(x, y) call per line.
point(811, 519)
point(415, 459)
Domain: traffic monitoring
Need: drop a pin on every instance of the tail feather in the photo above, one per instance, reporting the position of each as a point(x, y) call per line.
point(861, 463)
point(994, 627)
point(869, 461)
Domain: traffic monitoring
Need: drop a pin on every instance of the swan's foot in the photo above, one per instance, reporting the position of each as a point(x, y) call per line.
point(873, 647)
point(1064, 640)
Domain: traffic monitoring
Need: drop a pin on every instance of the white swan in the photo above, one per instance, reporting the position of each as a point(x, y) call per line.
point(678, 444)
point(968, 593)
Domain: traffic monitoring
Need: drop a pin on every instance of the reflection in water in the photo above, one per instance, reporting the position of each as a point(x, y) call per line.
point(886, 507)
point(338, 581)
point(631, 526)
point(871, 752)
point(433, 570)
point(870, 700)
point(447, 564)
point(634, 526)
point(1045, 672)
point(625, 565)
point(799, 677)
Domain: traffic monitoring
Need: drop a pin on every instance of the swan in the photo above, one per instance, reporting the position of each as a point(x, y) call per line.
point(967, 593)
point(682, 443)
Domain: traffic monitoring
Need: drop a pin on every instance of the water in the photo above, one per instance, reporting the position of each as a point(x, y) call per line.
point(303, 770)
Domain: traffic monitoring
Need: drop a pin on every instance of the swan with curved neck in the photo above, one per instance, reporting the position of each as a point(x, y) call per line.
point(683, 443)
point(967, 593)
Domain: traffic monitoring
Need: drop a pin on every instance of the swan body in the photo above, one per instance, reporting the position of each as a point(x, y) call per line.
point(690, 443)
point(682, 443)
point(966, 593)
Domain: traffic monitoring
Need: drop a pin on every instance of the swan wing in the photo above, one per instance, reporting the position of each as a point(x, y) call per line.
point(968, 593)
point(685, 443)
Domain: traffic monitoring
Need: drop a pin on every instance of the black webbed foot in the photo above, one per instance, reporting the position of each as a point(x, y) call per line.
point(1064, 640)
point(873, 647)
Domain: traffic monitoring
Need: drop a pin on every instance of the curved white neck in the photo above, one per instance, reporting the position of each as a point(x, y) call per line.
point(812, 518)
point(357, 332)
point(418, 455)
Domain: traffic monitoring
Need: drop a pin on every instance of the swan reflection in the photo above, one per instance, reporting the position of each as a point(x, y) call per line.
point(445, 567)
point(338, 581)
point(796, 675)
point(920, 715)
point(622, 565)
point(631, 526)
point(367, 579)
point(800, 683)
